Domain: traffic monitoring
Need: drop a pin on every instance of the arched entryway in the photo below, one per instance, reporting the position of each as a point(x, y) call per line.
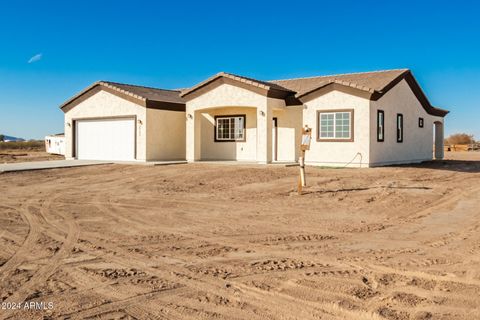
point(438, 139)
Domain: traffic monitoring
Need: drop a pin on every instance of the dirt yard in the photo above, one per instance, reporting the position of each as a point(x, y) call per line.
point(19, 155)
point(206, 241)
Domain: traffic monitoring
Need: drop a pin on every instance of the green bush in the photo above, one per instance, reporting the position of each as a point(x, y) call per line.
point(37, 145)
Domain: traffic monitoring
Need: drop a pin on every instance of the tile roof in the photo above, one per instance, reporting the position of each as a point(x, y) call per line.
point(372, 82)
point(148, 93)
point(254, 82)
point(375, 83)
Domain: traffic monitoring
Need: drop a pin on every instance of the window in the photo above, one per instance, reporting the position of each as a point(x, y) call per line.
point(230, 128)
point(380, 126)
point(399, 127)
point(335, 125)
point(420, 122)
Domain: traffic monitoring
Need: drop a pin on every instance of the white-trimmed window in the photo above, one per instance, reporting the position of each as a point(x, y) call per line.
point(230, 128)
point(335, 125)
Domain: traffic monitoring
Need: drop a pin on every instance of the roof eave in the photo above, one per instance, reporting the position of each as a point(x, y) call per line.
point(102, 85)
point(439, 112)
point(360, 91)
point(63, 105)
point(265, 89)
point(201, 84)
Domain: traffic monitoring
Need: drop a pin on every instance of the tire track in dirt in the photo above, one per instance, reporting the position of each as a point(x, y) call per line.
point(120, 304)
point(22, 253)
point(118, 214)
point(420, 274)
point(41, 275)
point(183, 276)
point(252, 295)
point(128, 261)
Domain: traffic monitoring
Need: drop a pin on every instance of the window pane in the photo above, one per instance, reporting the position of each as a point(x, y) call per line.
point(342, 125)
point(399, 127)
point(326, 125)
point(223, 128)
point(380, 125)
point(239, 124)
point(230, 128)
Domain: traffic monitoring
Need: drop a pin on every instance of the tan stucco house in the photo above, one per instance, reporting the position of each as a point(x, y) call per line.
point(361, 119)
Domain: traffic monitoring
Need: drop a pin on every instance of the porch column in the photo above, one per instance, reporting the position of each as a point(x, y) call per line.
point(439, 140)
point(264, 134)
point(193, 136)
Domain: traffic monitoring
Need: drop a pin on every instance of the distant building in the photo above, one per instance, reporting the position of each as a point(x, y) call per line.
point(55, 143)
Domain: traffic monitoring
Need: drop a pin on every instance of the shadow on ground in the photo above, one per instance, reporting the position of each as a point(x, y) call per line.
point(449, 165)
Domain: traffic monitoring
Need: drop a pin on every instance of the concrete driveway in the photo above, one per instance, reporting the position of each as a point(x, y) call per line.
point(41, 165)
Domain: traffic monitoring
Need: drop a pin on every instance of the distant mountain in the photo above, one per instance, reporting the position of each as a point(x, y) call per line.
point(10, 138)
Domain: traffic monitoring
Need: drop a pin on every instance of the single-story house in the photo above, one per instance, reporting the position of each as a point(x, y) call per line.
point(358, 119)
point(55, 143)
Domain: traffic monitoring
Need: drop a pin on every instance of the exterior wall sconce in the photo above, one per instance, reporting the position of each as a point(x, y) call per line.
point(189, 116)
point(139, 122)
point(262, 113)
point(68, 124)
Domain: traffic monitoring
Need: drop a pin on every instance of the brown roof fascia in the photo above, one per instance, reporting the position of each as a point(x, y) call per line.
point(331, 86)
point(242, 82)
point(417, 91)
point(422, 97)
point(375, 95)
point(163, 105)
point(97, 87)
point(379, 93)
point(124, 94)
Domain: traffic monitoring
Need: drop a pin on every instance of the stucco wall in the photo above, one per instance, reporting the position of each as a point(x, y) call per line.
point(104, 104)
point(165, 135)
point(354, 153)
point(200, 133)
point(417, 142)
point(214, 150)
point(289, 128)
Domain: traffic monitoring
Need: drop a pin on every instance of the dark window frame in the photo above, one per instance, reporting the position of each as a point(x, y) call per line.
point(244, 116)
point(382, 139)
point(400, 127)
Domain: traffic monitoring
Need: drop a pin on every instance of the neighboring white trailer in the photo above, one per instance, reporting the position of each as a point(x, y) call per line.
point(55, 144)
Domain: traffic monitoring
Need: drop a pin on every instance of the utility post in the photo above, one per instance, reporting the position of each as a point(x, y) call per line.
point(304, 146)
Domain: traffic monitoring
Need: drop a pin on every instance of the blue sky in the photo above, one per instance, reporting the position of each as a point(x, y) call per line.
point(178, 43)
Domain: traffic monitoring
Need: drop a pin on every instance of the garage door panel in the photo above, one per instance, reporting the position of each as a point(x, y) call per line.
point(105, 139)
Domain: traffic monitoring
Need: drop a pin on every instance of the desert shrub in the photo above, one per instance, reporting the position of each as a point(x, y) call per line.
point(460, 138)
point(38, 145)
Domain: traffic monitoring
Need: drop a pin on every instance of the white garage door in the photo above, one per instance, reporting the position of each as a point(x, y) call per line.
point(105, 139)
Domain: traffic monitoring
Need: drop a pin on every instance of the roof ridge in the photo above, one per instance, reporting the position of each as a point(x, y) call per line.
point(341, 74)
point(134, 85)
point(248, 80)
point(244, 77)
point(261, 82)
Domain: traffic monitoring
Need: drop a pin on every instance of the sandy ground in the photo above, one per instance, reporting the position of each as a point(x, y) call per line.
point(21, 155)
point(209, 241)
